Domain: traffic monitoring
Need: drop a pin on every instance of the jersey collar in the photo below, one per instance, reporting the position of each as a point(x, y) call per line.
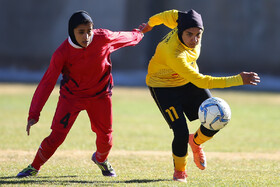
point(76, 46)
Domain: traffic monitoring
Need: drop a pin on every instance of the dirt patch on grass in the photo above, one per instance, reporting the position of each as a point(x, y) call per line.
point(16, 154)
point(216, 155)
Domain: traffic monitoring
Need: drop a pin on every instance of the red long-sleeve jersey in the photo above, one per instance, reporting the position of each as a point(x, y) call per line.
point(86, 72)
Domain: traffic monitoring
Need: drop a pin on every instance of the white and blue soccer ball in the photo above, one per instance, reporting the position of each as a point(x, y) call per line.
point(214, 113)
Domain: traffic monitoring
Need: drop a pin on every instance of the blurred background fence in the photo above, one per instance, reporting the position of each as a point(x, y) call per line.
point(240, 35)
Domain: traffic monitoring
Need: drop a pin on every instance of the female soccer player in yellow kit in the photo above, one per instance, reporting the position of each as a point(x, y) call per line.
point(177, 86)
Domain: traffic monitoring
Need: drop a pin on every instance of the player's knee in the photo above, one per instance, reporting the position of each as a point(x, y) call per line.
point(184, 139)
point(106, 140)
point(181, 139)
point(55, 139)
point(182, 136)
point(180, 144)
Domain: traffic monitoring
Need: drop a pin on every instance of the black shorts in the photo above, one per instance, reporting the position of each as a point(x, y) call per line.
point(174, 102)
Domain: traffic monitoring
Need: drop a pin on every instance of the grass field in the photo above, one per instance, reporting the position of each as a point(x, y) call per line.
point(245, 153)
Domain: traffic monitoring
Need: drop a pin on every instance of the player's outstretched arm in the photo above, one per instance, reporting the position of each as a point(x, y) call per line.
point(145, 27)
point(250, 78)
point(29, 124)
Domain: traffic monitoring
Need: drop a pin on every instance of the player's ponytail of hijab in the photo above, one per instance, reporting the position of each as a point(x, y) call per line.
point(188, 20)
point(80, 17)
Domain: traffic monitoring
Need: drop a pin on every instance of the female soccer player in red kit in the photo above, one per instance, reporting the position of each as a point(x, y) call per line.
point(83, 59)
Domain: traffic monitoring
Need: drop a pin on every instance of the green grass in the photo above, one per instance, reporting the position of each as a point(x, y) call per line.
point(245, 153)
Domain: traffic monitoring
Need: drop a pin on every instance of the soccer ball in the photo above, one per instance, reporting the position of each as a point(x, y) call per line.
point(214, 113)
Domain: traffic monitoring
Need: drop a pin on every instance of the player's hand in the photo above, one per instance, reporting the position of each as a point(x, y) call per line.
point(29, 124)
point(145, 27)
point(250, 78)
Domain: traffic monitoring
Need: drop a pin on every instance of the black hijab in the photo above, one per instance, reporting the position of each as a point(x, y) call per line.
point(80, 17)
point(188, 20)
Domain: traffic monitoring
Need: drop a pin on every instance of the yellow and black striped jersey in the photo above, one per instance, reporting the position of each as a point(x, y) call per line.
point(174, 64)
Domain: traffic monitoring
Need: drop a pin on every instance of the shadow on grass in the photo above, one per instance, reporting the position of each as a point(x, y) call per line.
point(56, 180)
point(141, 181)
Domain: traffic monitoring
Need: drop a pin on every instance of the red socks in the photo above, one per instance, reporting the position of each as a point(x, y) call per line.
point(47, 148)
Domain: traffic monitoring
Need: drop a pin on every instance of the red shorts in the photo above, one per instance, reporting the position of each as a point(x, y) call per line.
point(99, 111)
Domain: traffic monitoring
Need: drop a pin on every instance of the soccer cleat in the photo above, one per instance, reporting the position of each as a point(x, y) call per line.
point(106, 168)
point(198, 154)
point(180, 176)
point(27, 172)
